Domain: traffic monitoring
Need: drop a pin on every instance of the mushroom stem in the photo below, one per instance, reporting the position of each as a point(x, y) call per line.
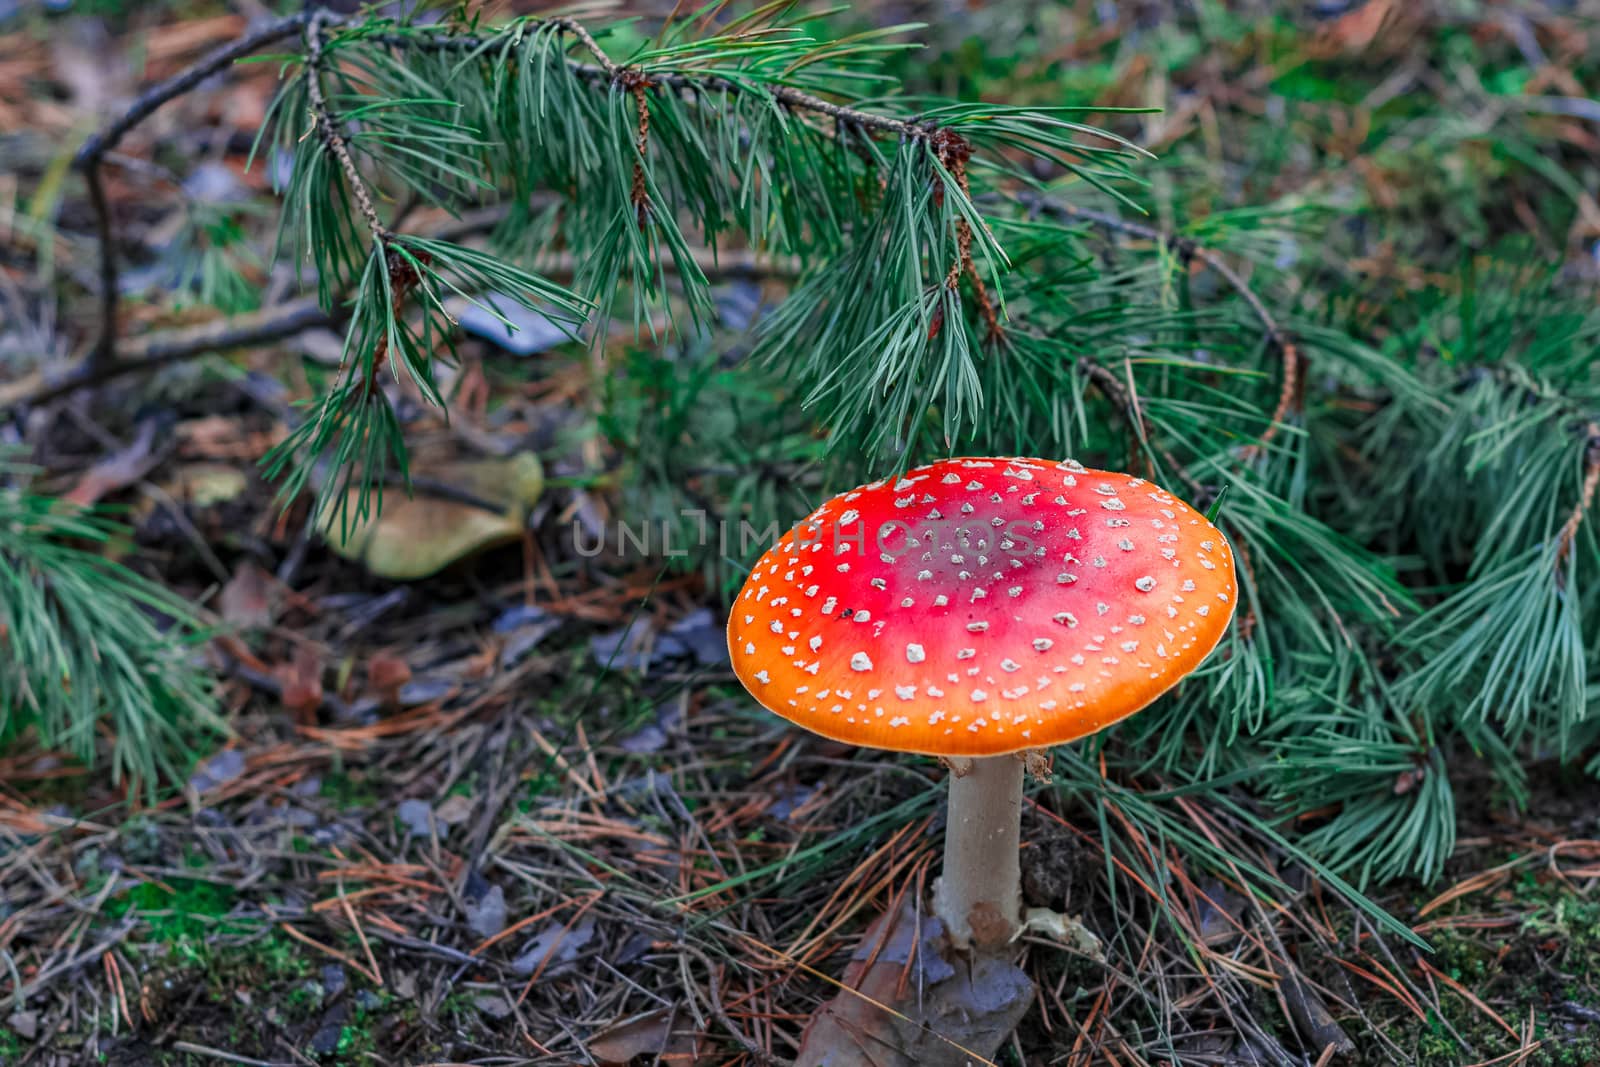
point(979, 895)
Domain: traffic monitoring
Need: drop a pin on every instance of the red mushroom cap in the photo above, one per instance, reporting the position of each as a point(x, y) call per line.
point(980, 606)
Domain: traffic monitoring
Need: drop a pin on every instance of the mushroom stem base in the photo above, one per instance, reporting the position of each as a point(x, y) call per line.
point(979, 895)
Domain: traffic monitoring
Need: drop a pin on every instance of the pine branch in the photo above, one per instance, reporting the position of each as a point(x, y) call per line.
point(328, 130)
point(953, 152)
point(1124, 400)
point(87, 640)
point(577, 30)
point(654, 74)
point(1187, 249)
point(606, 71)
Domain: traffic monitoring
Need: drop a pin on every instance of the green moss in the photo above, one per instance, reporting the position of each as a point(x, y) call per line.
point(180, 913)
point(1512, 969)
point(348, 789)
point(1463, 959)
point(353, 1041)
point(278, 957)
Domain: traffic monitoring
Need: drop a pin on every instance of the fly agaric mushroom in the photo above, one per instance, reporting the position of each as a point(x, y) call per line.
point(977, 609)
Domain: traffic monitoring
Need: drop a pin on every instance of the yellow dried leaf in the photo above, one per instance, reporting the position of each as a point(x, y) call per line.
point(418, 536)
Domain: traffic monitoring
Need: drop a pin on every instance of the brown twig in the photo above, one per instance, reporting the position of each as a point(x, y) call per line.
point(328, 130)
point(104, 352)
point(1591, 482)
point(638, 85)
point(953, 151)
point(92, 154)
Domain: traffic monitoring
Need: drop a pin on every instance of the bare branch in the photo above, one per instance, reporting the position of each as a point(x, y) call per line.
point(94, 150)
point(154, 351)
point(151, 352)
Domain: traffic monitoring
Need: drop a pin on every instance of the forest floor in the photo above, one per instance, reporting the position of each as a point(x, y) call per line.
point(520, 812)
point(514, 862)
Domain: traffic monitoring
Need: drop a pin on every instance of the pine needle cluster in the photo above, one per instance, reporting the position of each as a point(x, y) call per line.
point(91, 645)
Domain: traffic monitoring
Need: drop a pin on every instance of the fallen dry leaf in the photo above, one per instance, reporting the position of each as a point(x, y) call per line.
point(387, 673)
point(204, 485)
point(301, 679)
point(943, 1015)
point(454, 810)
point(418, 536)
point(117, 471)
point(653, 1035)
point(249, 600)
point(220, 437)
